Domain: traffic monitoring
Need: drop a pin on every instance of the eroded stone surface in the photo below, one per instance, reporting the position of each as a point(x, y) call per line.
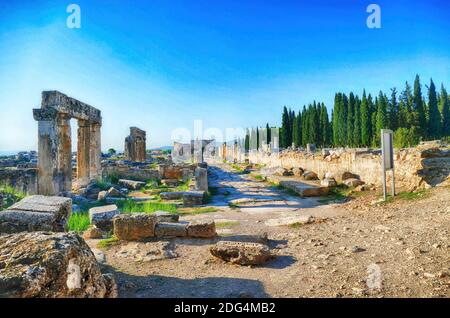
point(102, 216)
point(165, 229)
point(134, 226)
point(43, 264)
point(203, 229)
point(131, 184)
point(242, 253)
point(37, 213)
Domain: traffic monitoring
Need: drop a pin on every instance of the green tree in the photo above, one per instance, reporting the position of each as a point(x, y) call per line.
point(419, 108)
point(350, 119)
point(286, 133)
point(445, 112)
point(381, 119)
point(357, 123)
point(366, 116)
point(434, 117)
point(112, 151)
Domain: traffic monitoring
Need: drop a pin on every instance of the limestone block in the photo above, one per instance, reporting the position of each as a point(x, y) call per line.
point(191, 198)
point(92, 233)
point(37, 213)
point(353, 182)
point(102, 216)
point(134, 226)
point(201, 179)
point(166, 229)
point(131, 184)
point(309, 175)
point(164, 216)
point(328, 182)
point(170, 182)
point(204, 229)
point(113, 192)
point(348, 175)
point(242, 253)
point(102, 195)
point(171, 195)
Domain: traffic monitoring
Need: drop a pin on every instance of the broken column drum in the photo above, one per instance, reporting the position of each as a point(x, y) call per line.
point(135, 148)
point(55, 144)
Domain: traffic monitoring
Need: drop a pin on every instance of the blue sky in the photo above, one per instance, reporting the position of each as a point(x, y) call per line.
point(161, 64)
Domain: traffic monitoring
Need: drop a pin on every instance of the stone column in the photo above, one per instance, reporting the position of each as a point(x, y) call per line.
point(55, 153)
point(83, 153)
point(95, 152)
point(201, 179)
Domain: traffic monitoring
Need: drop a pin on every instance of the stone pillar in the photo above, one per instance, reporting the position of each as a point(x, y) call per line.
point(55, 153)
point(83, 153)
point(201, 179)
point(95, 152)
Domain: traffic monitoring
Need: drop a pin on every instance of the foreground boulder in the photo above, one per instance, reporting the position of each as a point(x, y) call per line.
point(134, 226)
point(102, 216)
point(37, 213)
point(51, 265)
point(242, 253)
point(329, 182)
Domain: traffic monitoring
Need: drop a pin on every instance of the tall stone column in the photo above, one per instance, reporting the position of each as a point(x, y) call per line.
point(83, 153)
point(54, 153)
point(95, 151)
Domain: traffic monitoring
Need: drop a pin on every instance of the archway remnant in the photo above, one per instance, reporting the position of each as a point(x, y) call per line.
point(55, 144)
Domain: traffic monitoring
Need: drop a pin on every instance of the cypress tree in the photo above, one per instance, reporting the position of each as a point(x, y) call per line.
point(381, 122)
point(268, 134)
point(350, 119)
point(419, 108)
point(324, 125)
point(434, 117)
point(336, 115)
point(393, 110)
point(247, 140)
point(366, 129)
point(357, 126)
point(445, 112)
point(284, 133)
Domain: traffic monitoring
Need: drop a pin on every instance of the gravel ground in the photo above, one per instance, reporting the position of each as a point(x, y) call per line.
point(354, 249)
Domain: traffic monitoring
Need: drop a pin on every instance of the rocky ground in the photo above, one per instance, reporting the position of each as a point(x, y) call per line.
point(351, 249)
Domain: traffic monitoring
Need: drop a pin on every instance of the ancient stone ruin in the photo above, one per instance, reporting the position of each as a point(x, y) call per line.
point(135, 145)
point(55, 144)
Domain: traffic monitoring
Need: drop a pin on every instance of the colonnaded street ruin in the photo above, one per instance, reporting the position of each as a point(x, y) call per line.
point(210, 219)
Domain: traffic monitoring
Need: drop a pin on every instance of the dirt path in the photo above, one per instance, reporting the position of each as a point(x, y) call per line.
point(400, 249)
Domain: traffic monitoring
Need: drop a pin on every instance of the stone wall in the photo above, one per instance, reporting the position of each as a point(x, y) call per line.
point(414, 167)
point(127, 172)
point(24, 180)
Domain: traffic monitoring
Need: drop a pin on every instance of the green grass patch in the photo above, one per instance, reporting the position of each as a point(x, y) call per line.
point(259, 177)
point(200, 210)
point(10, 196)
point(226, 224)
point(129, 206)
point(108, 242)
point(79, 222)
point(338, 193)
point(419, 194)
